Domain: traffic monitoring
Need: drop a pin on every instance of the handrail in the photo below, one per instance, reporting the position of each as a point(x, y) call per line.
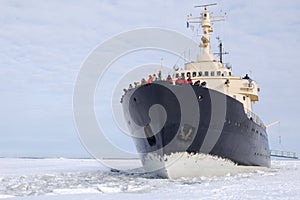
point(255, 118)
point(283, 154)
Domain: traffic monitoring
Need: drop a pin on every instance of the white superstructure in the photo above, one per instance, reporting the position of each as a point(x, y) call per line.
point(213, 72)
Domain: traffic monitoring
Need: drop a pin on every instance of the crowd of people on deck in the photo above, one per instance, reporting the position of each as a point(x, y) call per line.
point(152, 78)
point(179, 81)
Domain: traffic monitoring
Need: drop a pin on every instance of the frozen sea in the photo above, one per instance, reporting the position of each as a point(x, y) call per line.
point(56, 179)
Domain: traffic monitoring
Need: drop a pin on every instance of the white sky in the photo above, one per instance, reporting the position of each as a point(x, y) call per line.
point(43, 44)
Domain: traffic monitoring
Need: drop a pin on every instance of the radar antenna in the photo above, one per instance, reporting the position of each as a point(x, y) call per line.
point(206, 5)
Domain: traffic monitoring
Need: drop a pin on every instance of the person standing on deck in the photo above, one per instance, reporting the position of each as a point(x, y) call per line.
point(169, 79)
point(150, 79)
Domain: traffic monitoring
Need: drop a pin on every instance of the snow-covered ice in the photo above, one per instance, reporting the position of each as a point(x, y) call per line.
point(56, 179)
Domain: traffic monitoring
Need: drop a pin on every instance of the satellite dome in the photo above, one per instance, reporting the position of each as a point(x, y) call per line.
point(175, 67)
point(228, 65)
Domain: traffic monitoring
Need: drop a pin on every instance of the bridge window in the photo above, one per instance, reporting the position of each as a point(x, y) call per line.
point(218, 73)
point(199, 73)
point(177, 75)
point(182, 74)
point(229, 73)
point(244, 98)
point(206, 73)
point(188, 74)
point(212, 73)
point(194, 74)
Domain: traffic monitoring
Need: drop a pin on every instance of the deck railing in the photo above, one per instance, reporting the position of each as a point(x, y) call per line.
point(283, 154)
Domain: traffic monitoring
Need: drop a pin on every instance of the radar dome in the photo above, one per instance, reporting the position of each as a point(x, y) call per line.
point(228, 65)
point(175, 67)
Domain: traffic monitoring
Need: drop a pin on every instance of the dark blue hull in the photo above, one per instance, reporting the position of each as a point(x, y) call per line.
point(214, 124)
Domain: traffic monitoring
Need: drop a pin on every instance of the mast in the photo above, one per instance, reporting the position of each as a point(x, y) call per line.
point(205, 20)
point(207, 29)
point(221, 53)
